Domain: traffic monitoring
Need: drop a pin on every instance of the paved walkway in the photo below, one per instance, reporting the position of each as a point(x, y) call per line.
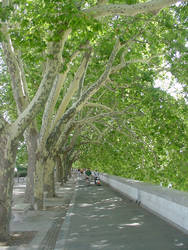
point(45, 224)
point(100, 218)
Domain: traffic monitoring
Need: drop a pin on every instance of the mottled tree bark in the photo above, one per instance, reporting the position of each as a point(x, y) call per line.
point(21, 97)
point(58, 169)
point(7, 161)
point(49, 185)
point(31, 136)
point(39, 182)
point(67, 166)
point(8, 139)
point(152, 6)
point(62, 173)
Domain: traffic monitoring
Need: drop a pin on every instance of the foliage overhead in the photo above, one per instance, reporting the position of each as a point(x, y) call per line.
point(127, 127)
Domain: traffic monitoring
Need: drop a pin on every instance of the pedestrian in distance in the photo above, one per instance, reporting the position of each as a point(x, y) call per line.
point(88, 175)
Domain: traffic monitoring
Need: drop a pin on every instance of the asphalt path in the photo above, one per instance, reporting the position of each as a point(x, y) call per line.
point(101, 218)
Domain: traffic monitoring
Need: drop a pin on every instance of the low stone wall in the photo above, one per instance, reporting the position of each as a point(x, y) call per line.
point(170, 204)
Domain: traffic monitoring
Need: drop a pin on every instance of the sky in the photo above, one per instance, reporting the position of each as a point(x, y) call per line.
point(170, 85)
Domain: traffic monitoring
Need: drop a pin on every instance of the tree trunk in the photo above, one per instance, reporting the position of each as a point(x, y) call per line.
point(69, 171)
point(62, 172)
point(8, 151)
point(39, 183)
point(49, 186)
point(8, 146)
point(58, 169)
point(62, 175)
point(31, 135)
point(65, 178)
point(66, 164)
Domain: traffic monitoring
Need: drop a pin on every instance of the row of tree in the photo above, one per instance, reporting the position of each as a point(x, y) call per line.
point(77, 83)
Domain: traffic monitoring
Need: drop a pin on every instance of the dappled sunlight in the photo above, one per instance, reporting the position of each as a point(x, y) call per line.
point(141, 215)
point(106, 207)
point(99, 208)
point(103, 215)
point(100, 244)
point(81, 186)
point(112, 199)
point(74, 234)
point(66, 188)
point(105, 221)
point(71, 214)
point(19, 186)
point(138, 217)
point(130, 225)
point(18, 192)
point(17, 234)
point(112, 206)
point(96, 216)
point(95, 227)
point(178, 244)
point(93, 216)
point(85, 205)
point(72, 239)
point(54, 218)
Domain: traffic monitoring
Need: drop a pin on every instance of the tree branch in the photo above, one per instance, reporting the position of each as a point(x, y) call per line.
point(97, 105)
point(152, 6)
point(73, 86)
point(124, 63)
point(77, 106)
point(52, 99)
point(53, 65)
point(3, 123)
point(16, 71)
point(99, 116)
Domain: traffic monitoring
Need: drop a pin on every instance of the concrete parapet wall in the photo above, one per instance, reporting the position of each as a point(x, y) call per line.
point(170, 204)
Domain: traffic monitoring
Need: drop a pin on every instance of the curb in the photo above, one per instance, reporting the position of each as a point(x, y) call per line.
point(62, 237)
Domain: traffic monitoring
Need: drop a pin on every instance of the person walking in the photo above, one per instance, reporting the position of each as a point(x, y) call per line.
point(88, 175)
point(96, 176)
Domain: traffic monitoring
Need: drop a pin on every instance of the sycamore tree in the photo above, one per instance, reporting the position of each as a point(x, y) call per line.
point(148, 144)
point(10, 133)
point(60, 56)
